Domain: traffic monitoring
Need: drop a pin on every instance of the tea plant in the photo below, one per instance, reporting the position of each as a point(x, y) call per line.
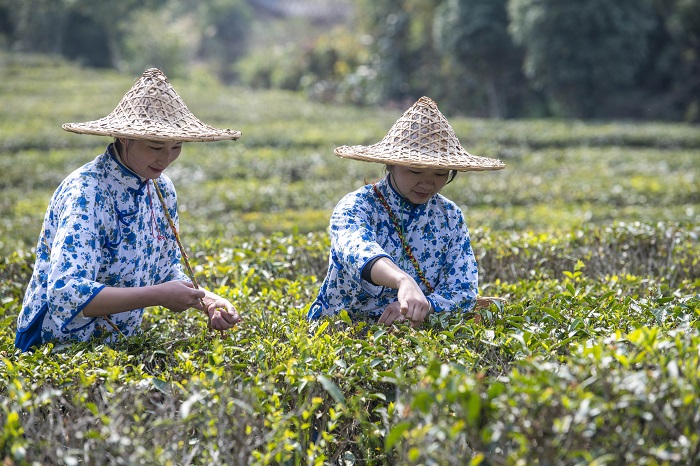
point(282, 176)
point(282, 389)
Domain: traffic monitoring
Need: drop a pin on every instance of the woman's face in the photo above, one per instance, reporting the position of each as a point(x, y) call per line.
point(418, 185)
point(148, 159)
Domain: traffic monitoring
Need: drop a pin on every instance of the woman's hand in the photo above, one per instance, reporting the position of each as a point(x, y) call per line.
point(179, 296)
point(222, 314)
point(392, 314)
point(413, 304)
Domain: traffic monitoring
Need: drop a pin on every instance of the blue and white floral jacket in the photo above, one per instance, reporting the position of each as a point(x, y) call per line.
point(362, 230)
point(104, 226)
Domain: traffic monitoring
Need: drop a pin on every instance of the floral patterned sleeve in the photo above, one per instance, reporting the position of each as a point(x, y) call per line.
point(75, 259)
point(458, 283)
point(353, 234)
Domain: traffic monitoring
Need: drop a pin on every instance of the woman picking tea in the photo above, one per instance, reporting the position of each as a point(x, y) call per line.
point(399, 249)
point(109, 245)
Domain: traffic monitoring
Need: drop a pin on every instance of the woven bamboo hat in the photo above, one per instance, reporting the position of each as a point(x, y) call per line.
point(421, 138)
point(152, 110)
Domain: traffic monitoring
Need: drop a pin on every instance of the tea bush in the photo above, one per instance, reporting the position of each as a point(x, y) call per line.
point(282, 176)
point(564, 354)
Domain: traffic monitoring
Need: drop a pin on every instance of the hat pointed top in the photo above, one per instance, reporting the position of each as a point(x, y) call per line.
point(152, 110)
point(422, 138)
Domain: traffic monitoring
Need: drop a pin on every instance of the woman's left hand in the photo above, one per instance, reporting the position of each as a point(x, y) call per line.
point(392, 314)
point(222, 314)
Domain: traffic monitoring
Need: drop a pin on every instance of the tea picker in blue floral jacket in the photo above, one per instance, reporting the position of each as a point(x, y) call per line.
point(109, 245)
point(399, 249)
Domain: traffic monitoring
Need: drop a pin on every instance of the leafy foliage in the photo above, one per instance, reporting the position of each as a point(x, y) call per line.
point(597, 59)
point(589, 49)
point(573, 353)
point(591, 233)
point(470, 34)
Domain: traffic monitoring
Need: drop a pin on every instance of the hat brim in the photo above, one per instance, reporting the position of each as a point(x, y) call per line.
point(380, 153)
point(423, 138)
point(154, 131)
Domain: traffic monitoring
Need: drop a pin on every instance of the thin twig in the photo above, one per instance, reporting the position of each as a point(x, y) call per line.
point(183, 253)
point(113, 325)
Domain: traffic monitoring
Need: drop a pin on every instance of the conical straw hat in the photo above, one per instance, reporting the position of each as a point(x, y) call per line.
point(152, 110)
point(421, 138)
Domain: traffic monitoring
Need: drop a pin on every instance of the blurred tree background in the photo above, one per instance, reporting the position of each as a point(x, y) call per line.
point(636, 59)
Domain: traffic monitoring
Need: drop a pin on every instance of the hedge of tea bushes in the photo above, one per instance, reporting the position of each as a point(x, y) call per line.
point(362, 394)
point(622, 399)
point(593, 360)
point(282, 176)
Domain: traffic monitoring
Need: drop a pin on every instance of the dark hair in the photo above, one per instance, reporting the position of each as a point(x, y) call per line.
point(119, 146)
point(452, 175)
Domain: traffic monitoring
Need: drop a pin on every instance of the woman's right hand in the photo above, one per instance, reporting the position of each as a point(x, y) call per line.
point(414, 304)
point(411, 305)
point(392, 314)
point(178, 296)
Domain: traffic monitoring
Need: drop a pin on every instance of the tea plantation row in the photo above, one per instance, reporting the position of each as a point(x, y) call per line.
point(282, 176)
point(582, 366)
